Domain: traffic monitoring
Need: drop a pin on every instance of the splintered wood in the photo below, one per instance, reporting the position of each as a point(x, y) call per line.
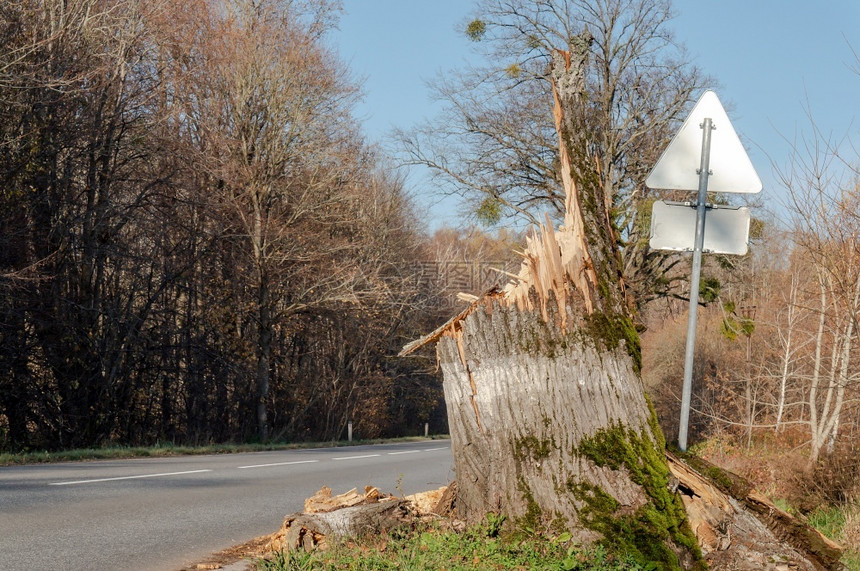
point(352, 515)
point(323, 501)
point(462, 351)
point(552, 260)
point(738, 528)
point(555, 258)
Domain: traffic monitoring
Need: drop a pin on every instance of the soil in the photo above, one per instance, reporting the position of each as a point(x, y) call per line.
point(236, 558)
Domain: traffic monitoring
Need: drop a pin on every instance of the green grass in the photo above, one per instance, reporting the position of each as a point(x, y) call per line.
point(169, 449)
point(431, 548)
point(784, 505)
point(828, 520)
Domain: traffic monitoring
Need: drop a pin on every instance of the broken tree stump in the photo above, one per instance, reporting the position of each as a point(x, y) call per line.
point(549, 421)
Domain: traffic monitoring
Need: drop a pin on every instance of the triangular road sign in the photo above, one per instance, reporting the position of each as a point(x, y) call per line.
point(730, 166)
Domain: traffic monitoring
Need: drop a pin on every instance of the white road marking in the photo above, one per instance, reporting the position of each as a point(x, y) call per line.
point(164, 474)
point(127, 478)
point(279, 464)
point(356, 457)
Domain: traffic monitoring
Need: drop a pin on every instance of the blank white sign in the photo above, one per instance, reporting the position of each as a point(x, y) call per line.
point(730, 166)
point(673, 227)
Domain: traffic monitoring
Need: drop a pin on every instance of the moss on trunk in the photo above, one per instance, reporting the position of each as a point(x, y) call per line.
point(647, 532)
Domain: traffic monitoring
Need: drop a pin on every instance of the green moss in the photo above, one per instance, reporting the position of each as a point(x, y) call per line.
point(559, 524)
point(597, 502)
point(533, 448)
point(610, 329)
point(633, 534)
point(646, 533)
point(533, 517)
point(654, 424)
point(730, 483)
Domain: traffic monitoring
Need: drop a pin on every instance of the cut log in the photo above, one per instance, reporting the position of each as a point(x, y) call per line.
point(351, 515)
point(308, 532)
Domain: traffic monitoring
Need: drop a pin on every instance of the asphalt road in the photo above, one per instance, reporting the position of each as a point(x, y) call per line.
point(164, 513)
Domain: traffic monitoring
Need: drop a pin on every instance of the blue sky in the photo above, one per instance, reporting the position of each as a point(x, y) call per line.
point(772, 58)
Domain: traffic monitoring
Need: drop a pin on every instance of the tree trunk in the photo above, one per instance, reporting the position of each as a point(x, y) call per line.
point(264, 351)
point(548, 417)
point(551, 427)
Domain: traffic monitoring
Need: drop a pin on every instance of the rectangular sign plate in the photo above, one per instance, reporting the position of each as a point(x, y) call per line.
point(673, 227)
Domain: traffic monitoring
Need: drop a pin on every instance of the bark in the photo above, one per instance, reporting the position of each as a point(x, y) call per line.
point(824, 417)
point(264, 351)
point(788, 349)
point(522, 394)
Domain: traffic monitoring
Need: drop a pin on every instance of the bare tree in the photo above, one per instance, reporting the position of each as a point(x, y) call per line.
point(495, 143)
point(189, 217)
point(823, 199)
point(270, 108)
point(75, 97)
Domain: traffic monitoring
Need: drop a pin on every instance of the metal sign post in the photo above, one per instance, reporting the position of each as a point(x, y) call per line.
point(701, 203)
point(675, 170)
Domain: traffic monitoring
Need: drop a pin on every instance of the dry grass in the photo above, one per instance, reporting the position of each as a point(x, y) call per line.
point(850, 536)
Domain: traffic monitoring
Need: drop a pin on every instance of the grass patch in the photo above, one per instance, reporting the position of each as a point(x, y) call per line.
point(851, 560)
point(784, 506)
point(169, 449)
point(431, 548)
point(829, 521)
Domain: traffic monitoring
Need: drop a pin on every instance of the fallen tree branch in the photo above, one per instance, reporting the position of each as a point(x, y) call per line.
point(738, 528)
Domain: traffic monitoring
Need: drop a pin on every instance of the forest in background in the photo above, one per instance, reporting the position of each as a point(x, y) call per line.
point(197, 245)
